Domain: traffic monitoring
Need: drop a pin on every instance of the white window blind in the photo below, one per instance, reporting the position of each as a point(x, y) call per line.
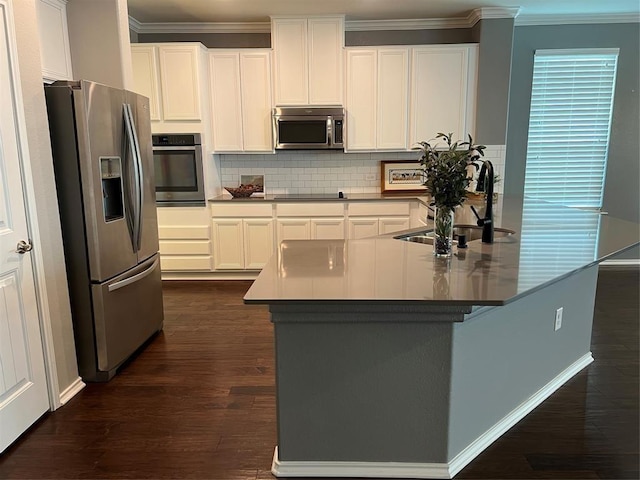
point(554, 241)
point(569, 125)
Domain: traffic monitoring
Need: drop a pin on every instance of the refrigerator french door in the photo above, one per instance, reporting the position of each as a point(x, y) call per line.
point(103, 163)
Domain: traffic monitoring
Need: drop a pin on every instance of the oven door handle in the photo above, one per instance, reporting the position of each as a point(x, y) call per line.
point(177, 148)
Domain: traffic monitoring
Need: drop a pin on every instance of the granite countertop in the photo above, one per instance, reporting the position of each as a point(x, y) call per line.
point(551, 243)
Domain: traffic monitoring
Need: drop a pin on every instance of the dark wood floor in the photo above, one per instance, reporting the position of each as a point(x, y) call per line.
point(199, 402)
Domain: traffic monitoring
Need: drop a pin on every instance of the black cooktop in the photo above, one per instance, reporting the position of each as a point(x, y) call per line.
point(308, 196)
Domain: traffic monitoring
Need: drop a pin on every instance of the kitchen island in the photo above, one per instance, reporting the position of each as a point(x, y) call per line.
point(393, 363)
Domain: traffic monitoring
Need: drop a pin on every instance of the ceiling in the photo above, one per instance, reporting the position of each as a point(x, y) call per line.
point(216, 11)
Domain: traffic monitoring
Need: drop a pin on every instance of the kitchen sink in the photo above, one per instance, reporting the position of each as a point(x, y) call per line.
point(472, 232)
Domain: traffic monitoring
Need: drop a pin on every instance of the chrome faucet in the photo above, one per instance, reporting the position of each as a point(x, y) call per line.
point(486, 177)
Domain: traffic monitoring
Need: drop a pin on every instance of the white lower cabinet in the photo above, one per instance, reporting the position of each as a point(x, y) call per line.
point(393, 224)
point(363, 227)
point(242, 244)
point(185, 239)
point(310, 221)
point(258, 242)
point(245, 235)
point(293, 229)
point(228, 244)
point(327, 228)
point(310, 229)
point(242, 235)
point(368, 219)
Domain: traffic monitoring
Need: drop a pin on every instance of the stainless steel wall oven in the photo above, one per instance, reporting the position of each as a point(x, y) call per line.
point(178, 169)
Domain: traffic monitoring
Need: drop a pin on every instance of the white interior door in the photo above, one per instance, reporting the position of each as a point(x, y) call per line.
point(23, 387)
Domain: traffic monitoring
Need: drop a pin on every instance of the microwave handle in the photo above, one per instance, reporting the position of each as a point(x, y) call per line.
point(330, 130)
point(192, 148)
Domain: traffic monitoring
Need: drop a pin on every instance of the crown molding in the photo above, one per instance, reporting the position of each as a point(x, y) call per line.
point(487, 13)
point(571, 19)
point(200, 27)
point(406, 24)
point(134, 24)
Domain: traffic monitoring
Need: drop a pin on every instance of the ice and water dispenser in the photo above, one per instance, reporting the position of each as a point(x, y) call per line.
point(112, 199)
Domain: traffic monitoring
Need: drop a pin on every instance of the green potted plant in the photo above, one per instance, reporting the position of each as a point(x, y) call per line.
point(446, 179)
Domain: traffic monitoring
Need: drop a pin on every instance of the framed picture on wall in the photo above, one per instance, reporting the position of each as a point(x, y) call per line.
point(401, 176)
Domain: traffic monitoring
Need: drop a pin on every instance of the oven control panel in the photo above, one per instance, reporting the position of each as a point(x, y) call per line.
point(176, 139)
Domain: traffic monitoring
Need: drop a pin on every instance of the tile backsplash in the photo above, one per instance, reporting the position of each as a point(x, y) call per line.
point(324, 171)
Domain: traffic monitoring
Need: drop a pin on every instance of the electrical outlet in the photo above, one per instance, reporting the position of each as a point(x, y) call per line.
point(558, 323)
point(370, 177)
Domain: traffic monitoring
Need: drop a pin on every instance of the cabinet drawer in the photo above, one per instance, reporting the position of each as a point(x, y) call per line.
point(310, 209)
point(241, 210)
point(182, 216)
point(194, 232)
point(185, 263)
point(193, 247)
point(379, 208)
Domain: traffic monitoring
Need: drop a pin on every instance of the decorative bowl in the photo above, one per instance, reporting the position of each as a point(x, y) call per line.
point(242, 191)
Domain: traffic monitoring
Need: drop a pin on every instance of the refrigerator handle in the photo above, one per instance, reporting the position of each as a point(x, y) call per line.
point(135, 153)
point(138, 276)
point(139, 165)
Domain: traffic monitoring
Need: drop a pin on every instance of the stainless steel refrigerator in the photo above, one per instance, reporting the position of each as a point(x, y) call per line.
point(103, 163)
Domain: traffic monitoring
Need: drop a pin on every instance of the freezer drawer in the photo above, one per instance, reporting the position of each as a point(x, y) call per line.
point(127, 311)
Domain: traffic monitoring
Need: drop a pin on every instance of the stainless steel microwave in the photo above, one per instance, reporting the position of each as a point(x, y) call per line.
point(308, 128)
point(178, 171)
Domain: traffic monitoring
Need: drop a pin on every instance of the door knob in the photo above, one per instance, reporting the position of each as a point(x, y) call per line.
point(24, 247)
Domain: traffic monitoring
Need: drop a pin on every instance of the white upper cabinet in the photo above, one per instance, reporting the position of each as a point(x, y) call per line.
point(255, 78)
point(398, 96)
point(54, 40)
point(377, 98)
point(361, 98)
point(145, 76)
point(170, 75)
point(308, 61)
point(225, 97)
point(179, 77)
point(443, 86)
point(241, 100)
point(393, 86)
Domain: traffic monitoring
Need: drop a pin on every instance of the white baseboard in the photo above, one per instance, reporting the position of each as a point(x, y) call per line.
point(71, 391)
point(628, 262)
point(218, 275)
point(487, 438)
point(358, 469)
point(427, 470)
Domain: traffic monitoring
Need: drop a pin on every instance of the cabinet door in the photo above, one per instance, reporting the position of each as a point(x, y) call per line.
point(258, 242)
point(54, 39)
point(255, 73)
point(226, 101)
point(393, 80)
point(179, 74)
point(390, 225)
point(439, 84)
point(325, 43)
point(327, 228)
point(294, 229)
point(363, 227)
point(228, 244)
point(291, 73)
point(361, 99)
point(144, 60)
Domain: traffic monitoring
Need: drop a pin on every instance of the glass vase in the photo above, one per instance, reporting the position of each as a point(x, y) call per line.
point(443, 232)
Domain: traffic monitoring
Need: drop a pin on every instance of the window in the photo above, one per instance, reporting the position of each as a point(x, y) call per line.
point(569, 125)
